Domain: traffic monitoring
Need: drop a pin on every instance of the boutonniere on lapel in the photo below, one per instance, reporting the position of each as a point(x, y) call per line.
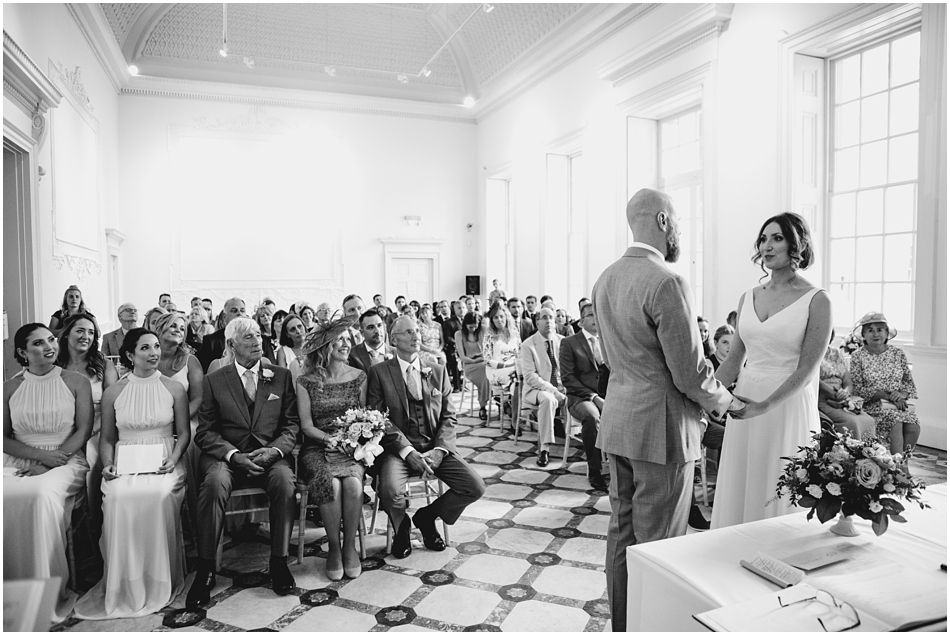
point(388, 356)
point(266, 375)
point(426, 373)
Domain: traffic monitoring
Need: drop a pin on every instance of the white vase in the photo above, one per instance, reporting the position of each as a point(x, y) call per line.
point(845, 527)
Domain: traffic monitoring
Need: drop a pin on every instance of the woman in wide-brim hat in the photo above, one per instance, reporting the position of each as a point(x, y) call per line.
point(326, 389)
point(881, 375)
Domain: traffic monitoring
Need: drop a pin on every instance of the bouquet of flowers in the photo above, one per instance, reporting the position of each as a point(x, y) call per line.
point(838, 473)
point(359, 432)
point(853, 404)
point(852, 343)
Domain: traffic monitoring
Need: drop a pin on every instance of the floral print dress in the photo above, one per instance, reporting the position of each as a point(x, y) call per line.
point(887, 371)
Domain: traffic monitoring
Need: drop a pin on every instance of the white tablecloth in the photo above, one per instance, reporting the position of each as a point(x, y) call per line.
point(670, 580)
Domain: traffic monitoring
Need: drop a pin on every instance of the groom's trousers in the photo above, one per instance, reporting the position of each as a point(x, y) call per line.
point(648, 501)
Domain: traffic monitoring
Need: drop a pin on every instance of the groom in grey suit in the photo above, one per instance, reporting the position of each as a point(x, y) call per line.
point(650, 425)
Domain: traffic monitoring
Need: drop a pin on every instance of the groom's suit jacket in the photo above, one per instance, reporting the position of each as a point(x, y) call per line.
point(226, 423)
point(659, 379)
point(386, 390)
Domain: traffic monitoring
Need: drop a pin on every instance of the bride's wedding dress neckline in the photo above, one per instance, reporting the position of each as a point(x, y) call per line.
point(782, 310)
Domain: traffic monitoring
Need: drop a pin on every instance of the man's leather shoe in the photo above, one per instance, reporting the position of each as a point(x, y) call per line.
point(544, 458)
point(402, 547)
point(199, 595)
point(697, 521)
point(425, 521)
point(598, 482)
point(281, 577)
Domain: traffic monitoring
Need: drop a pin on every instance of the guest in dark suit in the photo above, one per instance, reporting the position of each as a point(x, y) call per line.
point(582, 363)
point(450, 326)
point(576, 324)
point(212, 347)
point(247, 429)
point(524, 327)
point(421, 440)
point(374, 348)
point(128, 318)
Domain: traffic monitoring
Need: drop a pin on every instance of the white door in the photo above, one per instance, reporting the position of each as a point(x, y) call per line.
point(413, 278)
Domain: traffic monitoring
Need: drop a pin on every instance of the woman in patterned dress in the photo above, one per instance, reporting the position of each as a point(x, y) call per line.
point(834, 389)
point(501, 348)
point(881, 375)
point(328, 388)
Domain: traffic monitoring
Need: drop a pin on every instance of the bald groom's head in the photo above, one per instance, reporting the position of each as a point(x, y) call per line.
point(652, 219)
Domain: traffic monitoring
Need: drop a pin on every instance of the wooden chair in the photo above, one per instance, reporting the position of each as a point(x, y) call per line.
point(425, 488)
point(468, 386)
point(570, 424)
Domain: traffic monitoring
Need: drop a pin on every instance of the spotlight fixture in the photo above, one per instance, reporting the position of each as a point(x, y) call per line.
point(426, 71)
point(488, 8)
point(402, 79)
point(249, 62)
point(469, 102)
point(133, 70)
point(329, 70)
point(223, 51)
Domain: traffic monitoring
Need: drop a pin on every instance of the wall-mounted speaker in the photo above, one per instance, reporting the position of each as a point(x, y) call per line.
point(473, 285)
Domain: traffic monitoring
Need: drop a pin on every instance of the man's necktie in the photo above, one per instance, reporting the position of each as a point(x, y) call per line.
point(250, 384)
point(554, 379)
point(373, 357)
point(598, 355)
point(412, 383)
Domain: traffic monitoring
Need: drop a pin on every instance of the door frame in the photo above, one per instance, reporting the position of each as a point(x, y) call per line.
point(422, 249)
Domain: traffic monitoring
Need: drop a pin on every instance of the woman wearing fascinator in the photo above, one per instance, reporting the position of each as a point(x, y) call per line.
point(326, 389)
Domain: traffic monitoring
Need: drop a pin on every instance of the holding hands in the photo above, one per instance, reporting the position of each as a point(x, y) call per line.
point(747, 409)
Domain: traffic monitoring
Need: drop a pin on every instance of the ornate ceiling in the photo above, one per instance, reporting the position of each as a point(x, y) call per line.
point(343, 48)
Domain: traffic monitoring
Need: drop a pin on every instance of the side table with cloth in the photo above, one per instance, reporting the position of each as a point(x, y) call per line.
point(671, 580)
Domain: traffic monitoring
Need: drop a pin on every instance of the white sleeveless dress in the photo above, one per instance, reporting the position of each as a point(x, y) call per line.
point(751, 461)
point(38, 509)
point(142, 547)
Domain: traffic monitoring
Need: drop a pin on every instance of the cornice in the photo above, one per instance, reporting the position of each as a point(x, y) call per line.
point(22, 72)
point(700, 26)
point(99, 37)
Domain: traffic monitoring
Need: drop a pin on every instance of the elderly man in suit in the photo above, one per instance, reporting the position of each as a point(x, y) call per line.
point(374, 348)
point(582, 363)
point(421, 440)
point(659, 383)
point(247, 429)
point(212, 346)
point(128, 319)
point(542, 381)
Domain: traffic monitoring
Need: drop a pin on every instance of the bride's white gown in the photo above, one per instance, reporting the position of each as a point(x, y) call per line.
point(751, 461)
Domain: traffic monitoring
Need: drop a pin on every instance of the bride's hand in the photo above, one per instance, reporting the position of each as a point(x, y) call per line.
point(752, 408)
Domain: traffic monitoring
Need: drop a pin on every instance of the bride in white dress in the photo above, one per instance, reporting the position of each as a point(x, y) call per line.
point(782, 334)
point(142, 549)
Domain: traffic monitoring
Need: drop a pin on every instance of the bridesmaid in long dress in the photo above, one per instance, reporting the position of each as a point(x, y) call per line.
point(142, 548)
point(47, 418)
point(79, 352)
point(326, 390)
point(783, 330)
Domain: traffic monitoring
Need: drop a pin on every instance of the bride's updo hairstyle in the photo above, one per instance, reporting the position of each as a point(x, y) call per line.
point(795, 231)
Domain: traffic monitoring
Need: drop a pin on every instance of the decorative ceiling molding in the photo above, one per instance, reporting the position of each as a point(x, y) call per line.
point(675, 94)
point(698, 27)
point(841, 32)
point(72, 80)
point(31, 83)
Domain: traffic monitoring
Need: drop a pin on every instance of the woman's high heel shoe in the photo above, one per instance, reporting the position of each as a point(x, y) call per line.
point(335, 574)
point(353, 573)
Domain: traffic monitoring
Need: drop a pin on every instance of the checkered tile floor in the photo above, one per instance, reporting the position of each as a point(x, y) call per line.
point(527, 557)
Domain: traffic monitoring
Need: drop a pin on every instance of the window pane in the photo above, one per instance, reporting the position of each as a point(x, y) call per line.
point(898, 301)
point(870, 216)
point(904, 109)
point(669, 164)
point(669, 134)
point(905, 59)
point(874, 164)
point(841, 255)
point(874, 70)
point(842, 304)
point(688, 127)
point(848, 79)
point(899, 257)
point(842, 215)
point(899, 208)
point(868, 259)
point(867, 297)
point(847, 124)
point(903, 159)
point(874, 117)
point(689, 157)
point(846, 170)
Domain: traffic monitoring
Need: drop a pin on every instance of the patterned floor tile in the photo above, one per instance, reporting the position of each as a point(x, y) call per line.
point(507, 492)
point(383, 588)
point(458, 605)
point(252, 608)
point(147, 623)
point(412, 628)
point(572, 481)
point(493, 569)
point(485, 471)
point(520, 540)
point(525, 476)
point(571, 582)
point(473, 441)
point(422, 559)
point(498, 458)
point(329, 619)
point(602, 504)
point(595, 525)
point(584, 550)
point(466, 531)
point(535, 616)
point(561, 498)
point(487, 509)
point(543, 517)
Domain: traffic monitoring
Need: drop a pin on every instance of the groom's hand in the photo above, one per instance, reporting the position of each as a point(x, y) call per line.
point(418, 463)
point(244, 462)
point(264, 457)
point(751, 409)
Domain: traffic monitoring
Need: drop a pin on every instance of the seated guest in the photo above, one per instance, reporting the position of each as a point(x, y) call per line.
point(415, 308)
point(72, 304)
point(530, 309)
point(881, 376)
point(378, 302)
point(292, 335)
point(151, 316)
point(469, 303)
point(524, 327)
point(327, 388)
point(306, 313)
point(273, 333)
point(47, 418)
point(195, 302)
point(704, 335)
point(501, 348)
point(374, 348)
point(731, 318)
point(432, 348)
point(400, 303)
point(542, 382)
point(582, 362)
point(263, 316)
point(834, 389)
point(407, 311)
point(164, 299)
point(561, 320)
point(171, 307)
point(208, 306)
point(497, 293)
point(79, 353)
point(468, 343)
point(212, 347)
point(323, 313)
point(247, 429)
point(353, 307)
point(576, 324)
point(450, 326)
point(478, 305)
point(142, 512)
point(420, 441)
point(128, 318)
point(722, 344)
point(197, 327)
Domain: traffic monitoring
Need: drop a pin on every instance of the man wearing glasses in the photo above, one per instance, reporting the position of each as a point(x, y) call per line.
point(128, 318)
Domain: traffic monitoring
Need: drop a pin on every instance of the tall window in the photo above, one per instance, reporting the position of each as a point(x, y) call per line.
point(681, 176)
point(873, 185)
point(500, 219)
point(577, 244)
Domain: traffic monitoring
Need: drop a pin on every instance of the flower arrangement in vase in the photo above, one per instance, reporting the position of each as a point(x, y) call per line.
point(838, 474)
